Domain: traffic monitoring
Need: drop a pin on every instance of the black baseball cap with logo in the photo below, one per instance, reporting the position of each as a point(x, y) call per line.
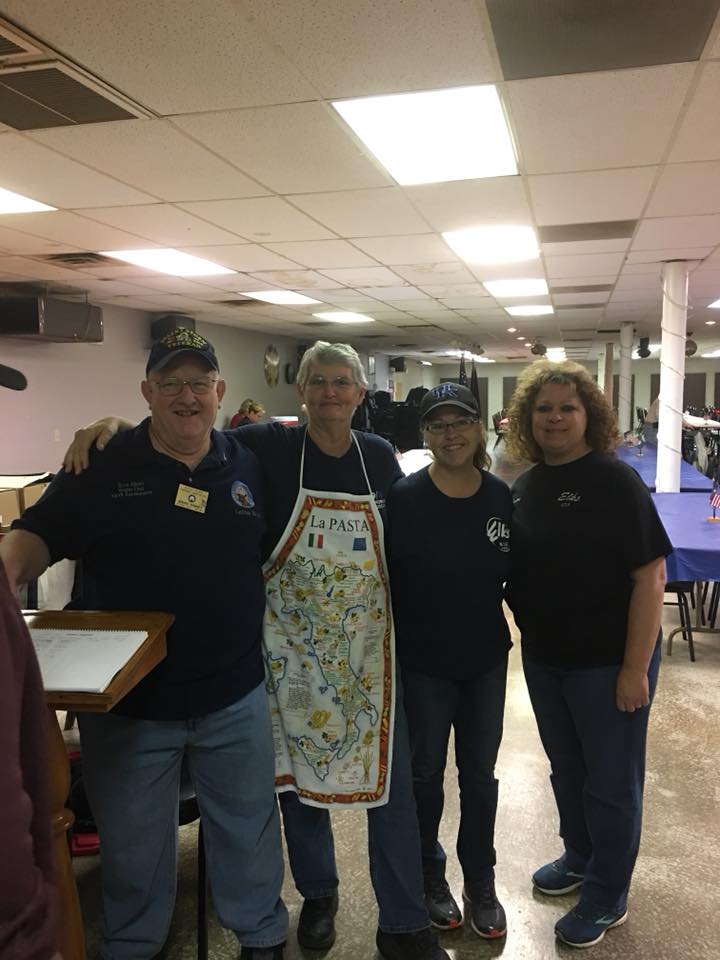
point(12, 379)
point(180, 341)
point(449, 395)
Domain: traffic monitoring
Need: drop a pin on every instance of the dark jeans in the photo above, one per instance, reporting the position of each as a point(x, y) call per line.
point(475, 709)
point(393, 845)
point(597, 756)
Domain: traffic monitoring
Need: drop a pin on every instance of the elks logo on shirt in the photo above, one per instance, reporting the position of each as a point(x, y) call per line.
point(242, 495)
point(498, 533)
point(567, 497)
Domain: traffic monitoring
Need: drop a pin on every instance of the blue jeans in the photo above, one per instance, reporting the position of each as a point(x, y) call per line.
point(393, 845)
point(597, 757)
point(475, 709)
point(132, 775)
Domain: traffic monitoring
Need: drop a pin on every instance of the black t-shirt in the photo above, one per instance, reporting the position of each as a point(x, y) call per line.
point(449, 558)
point(279, 447)
point(578, 530)
point(140, 551)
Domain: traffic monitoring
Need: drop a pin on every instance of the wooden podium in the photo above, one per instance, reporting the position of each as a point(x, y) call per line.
point(149, 654)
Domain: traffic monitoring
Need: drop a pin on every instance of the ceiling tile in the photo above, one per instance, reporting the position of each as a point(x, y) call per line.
point(563, 299)
point(19, 243)
point(587, 266)
point(699, 135)
point(677, 232)
point(163, 224)
point(655, 256)
point(422, 248)
point(35, 171)
point(390, 294)
point(373, 47)
point(467, 203)
point(589, 121)
point(323, 254)
point(685, 189)
point(421, 273)
point(293, 280)
point(291, 148)
point(260, 219)
point(137, 153)
point(363, 213)
point(155, 53)
point(446, 290)
point(364, 277)
point(591, 196)
point(74, 229)
point(245, 257)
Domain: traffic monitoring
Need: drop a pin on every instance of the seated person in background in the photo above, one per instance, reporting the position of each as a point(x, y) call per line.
point(27, 899)
point(171, 518)
point(249, 411)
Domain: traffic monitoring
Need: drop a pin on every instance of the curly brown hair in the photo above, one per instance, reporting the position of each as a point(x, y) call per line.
point(602, 431)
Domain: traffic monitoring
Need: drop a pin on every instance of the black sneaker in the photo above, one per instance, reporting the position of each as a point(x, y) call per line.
point(444, 912)
point(263, 953)
point(316, 927)
point(420, 945)
point(487, 916)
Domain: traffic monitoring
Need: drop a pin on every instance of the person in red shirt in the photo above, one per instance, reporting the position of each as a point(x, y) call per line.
point(249, 411)
point(27, 897)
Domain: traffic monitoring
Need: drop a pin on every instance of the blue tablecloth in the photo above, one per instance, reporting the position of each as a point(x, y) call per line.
point(690, 479)
point(696, 542)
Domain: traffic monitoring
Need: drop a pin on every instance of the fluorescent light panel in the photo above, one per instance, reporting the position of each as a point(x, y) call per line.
point(281, 297)
point(530, 310)
point(530, 287)
point(16, 203)
point(556, 353)
point(344, 316)
point(506, 243)
point(425, 363)
point(166, 260)
point(475, 357)
point(435, 135)
point(715, 305)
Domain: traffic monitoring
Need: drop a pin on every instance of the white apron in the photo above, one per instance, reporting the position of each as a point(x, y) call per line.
point(329, 650)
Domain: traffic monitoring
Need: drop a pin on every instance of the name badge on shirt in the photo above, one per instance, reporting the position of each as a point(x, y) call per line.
point(190, 498)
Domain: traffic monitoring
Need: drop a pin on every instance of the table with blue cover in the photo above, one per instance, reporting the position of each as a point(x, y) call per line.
point(696, 545)
point(691, 480)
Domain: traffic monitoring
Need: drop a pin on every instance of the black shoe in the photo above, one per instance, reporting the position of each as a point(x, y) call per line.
point(420, 945)
point(316, 927)
point(263, 953)
point(444, 911)
point(487, 916)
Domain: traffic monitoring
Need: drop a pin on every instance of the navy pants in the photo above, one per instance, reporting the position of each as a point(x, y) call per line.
point(597, 758)
point(393, 845)
point(475, 709)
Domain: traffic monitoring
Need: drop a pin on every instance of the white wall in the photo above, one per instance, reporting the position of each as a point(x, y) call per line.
point(70, 384)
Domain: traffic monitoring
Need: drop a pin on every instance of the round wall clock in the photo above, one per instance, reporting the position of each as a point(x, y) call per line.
point(271, 365)
point(289, 373)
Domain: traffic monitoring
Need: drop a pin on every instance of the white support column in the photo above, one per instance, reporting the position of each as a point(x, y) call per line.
point(625, 390)
point(601, 368)
point(672, 375)
point(608, 385)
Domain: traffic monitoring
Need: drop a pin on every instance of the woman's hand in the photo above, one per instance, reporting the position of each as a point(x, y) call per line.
point(632, 690)
point(77, 454)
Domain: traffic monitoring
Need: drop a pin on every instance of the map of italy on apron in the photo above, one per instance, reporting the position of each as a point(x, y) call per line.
point(329, 650)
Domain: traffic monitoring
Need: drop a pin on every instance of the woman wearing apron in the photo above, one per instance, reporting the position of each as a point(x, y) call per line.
point(340, 730)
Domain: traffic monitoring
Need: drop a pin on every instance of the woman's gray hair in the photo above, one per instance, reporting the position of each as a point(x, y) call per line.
point(341, 354)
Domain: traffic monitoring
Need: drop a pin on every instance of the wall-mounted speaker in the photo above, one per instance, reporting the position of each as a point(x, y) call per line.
point(397, 364)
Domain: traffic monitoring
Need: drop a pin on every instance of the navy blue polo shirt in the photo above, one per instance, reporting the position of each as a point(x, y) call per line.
point(279, 449)
point(140, 551)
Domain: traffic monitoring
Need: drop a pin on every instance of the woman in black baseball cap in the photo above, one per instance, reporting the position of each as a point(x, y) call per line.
point(448, 549)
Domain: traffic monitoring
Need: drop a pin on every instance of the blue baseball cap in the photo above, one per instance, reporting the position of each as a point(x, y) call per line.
point(180, 340)
point(449, 395)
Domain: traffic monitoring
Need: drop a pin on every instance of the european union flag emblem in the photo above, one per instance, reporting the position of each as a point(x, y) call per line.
point(359, 543)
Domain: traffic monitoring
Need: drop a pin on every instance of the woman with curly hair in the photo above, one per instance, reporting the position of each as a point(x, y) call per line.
point(586, 589)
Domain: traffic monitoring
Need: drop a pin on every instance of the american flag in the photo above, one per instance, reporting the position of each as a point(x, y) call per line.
point(462, 376)
point(715, 495)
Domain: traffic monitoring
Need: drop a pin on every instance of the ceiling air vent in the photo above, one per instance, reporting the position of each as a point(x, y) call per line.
point(81, 259)
point(247, 302)
point(38, 89)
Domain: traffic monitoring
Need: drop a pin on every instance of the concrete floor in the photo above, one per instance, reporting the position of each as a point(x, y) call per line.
point(674, 901)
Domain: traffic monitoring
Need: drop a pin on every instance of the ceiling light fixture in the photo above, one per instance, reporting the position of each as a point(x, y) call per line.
point(493, 245)
point(344, 316)
point(435, 135)
point(519, 338)
point(425, 363)
point(166, 260)
point(535, 287)
point(556, 354)
point(283, 298)
point(534, 310)
point(715, 305)
point(16, 203)
point(715, 353)
point(475, 357)
point(512, 329)
point(709, 323)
